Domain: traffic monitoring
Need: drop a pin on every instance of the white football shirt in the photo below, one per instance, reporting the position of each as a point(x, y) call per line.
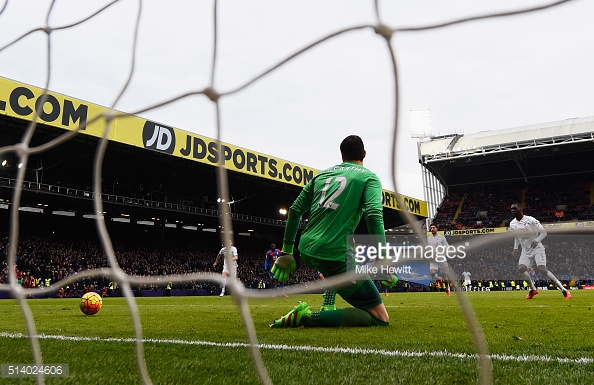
point(233, 254)
point(466, 276)
point(526, 230)
point(438, 240)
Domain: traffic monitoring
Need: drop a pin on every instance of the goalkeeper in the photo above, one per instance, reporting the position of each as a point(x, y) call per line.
point(336, 199)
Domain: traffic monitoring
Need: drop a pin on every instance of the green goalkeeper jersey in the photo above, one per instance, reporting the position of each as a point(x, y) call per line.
point(336, 199)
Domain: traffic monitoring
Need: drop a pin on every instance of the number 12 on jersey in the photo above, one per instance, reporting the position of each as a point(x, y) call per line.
point(329, 203)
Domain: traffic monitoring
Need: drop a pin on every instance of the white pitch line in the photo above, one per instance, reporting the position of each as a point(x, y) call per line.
point(381, 352)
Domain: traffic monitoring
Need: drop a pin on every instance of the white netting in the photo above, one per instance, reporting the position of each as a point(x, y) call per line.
point(125, 67)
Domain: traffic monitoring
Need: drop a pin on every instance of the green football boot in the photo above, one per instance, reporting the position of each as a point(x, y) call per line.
point(293, 318)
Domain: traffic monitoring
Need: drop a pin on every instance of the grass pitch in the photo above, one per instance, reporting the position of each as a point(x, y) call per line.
point(201, 340)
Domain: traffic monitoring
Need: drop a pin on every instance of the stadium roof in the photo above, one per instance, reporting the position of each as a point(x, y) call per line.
point(152, 164)
point(519, 153)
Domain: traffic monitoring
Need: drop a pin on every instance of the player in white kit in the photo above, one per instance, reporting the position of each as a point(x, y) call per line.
point(467, 281)
point(440, 244)
point(227, 269)
point(529, 234)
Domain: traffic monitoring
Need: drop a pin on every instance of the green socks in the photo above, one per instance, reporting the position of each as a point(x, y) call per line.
point(329, 297)
point(348, 317)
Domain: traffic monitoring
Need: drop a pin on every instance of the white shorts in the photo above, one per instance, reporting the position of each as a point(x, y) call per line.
point(438, 266)
point(228, 271)
point(467, 283)
point(540, 258)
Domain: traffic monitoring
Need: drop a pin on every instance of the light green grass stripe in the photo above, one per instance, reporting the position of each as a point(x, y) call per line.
point(390, 353)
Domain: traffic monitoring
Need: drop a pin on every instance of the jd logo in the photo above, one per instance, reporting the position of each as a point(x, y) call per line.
point(160, 138)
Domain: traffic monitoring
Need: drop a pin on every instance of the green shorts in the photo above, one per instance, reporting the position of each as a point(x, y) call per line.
point(362, 294)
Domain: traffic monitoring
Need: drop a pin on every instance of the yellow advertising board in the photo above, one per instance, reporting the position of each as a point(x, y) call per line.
point(582, 225)
point(574, 226)
point(481, 231)
point(20, 101)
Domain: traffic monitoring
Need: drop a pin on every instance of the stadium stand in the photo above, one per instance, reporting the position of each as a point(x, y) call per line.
point(488, 205)
point(56, 258)
point(546, 167)
point(161, 205)
point(175, 183)
point(166, 207)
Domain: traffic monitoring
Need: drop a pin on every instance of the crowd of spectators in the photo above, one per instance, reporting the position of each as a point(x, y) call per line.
point(570, 257)
point(468, 208)
point(43, 261)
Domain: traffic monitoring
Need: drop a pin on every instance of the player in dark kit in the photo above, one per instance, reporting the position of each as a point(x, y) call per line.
point(336, 199)
point(271, 256)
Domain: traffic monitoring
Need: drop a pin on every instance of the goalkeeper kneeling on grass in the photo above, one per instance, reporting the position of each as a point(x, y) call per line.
point(336, 199)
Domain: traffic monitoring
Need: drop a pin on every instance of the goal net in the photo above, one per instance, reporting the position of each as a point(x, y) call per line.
point(141, 61)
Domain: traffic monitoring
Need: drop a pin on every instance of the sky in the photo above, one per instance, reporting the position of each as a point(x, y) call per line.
point(476, 76)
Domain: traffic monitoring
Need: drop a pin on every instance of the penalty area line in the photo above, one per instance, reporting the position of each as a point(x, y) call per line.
point(355, 351)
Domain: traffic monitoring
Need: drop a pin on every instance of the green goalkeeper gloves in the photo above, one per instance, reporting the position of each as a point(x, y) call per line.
point(284, 265)
point(389, 281)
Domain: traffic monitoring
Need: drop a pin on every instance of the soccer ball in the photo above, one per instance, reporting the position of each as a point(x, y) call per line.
point(90, 303)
